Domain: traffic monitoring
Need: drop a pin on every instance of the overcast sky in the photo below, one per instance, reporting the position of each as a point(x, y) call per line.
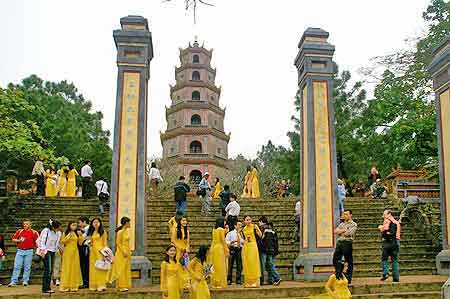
point(254, 42)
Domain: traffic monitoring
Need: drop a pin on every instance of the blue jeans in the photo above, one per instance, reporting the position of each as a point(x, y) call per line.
point(390, 249)
point(268, 263)
point(180, 206)
point(23, 259)
point(341, 205)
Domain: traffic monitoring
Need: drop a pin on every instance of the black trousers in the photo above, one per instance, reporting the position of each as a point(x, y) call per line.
point(49, 261)
point(232, 220)
point(344, 249)
point(83, 252)
point(86, 185)
point(40, 190)
point(235, 258)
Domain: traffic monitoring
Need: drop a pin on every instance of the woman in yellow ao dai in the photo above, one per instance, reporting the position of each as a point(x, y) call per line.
point(71, 277)
point(217, 189)
point(250, 254)
point(99, 240)
point(170, 278)
point(121, 270)
point(218, 254)
point(199, 287)
point(71, 188)
point(51, 189)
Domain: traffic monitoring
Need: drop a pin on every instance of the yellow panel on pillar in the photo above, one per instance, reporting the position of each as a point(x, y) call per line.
point(445, 148)
point(324, 196)
point(126, 198)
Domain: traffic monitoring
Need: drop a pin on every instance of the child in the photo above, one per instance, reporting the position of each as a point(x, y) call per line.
point(171, 275)
point(270, 251)
point(337, 285)
point(2, 251)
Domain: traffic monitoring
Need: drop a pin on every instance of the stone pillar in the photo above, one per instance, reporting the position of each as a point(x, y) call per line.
point(134, 53)
point(318, 157)
point(440, 70)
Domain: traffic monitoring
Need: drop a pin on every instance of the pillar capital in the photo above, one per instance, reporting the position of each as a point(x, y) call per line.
point(315, 55)
point(134, 43)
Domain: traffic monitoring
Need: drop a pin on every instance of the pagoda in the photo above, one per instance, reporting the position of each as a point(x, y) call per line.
point(195, 136)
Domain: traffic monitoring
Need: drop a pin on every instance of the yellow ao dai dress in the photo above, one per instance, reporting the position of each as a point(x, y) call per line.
point(250, 256)
point(51, 189)
point(170, 280)
point(97, 277)
point(199, 288)
point(71, 188)
point(336, 289)
point(255, 184)
point(218, 254)
point(71, 277)
point(121, 270)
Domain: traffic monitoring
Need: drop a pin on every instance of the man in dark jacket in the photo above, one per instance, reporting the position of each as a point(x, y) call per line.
point(269, 252)
point(224, 199)
point(180, 191)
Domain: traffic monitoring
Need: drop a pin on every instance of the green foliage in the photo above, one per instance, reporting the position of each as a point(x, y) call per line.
point(59, 120)
point(394, 128)
point(21, 140)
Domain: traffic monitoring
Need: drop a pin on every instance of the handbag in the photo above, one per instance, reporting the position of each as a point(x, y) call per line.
point(102, 265)
point(201, 192)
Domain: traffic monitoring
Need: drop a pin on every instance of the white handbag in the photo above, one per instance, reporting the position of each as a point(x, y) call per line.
point(102, 265)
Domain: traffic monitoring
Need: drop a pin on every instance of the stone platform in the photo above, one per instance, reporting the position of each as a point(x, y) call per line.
point(425, 286)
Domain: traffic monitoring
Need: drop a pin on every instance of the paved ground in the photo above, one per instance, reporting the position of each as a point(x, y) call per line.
point(36, 289)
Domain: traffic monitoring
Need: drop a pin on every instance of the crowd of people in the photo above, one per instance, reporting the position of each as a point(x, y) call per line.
point(241, 251)
point(237, 248)
point(63, 182)
point(375, 188)
point(85, 261)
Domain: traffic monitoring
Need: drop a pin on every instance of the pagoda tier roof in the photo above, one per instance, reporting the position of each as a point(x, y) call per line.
point(195, 66)
point(196, 49)
point(192, 159)
point(194, 130)
point(191, 83)
point(190, 104)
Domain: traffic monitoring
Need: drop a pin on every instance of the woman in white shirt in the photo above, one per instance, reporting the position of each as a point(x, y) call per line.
point(48, 245)
point(155, 176)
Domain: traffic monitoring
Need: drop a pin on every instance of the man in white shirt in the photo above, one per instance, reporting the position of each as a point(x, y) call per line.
point(232, 209)
point(235, 242)
point(102, 193)
point(86, 178)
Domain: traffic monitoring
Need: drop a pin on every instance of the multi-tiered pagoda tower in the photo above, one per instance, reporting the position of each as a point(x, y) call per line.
point(195, 136)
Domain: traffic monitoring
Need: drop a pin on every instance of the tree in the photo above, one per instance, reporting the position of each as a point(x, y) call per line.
point(399, 123)
point(66, 123)
point(21, 141)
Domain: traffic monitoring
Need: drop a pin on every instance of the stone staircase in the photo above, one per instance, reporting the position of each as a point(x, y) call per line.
point(39, 211)
point(417, 255)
